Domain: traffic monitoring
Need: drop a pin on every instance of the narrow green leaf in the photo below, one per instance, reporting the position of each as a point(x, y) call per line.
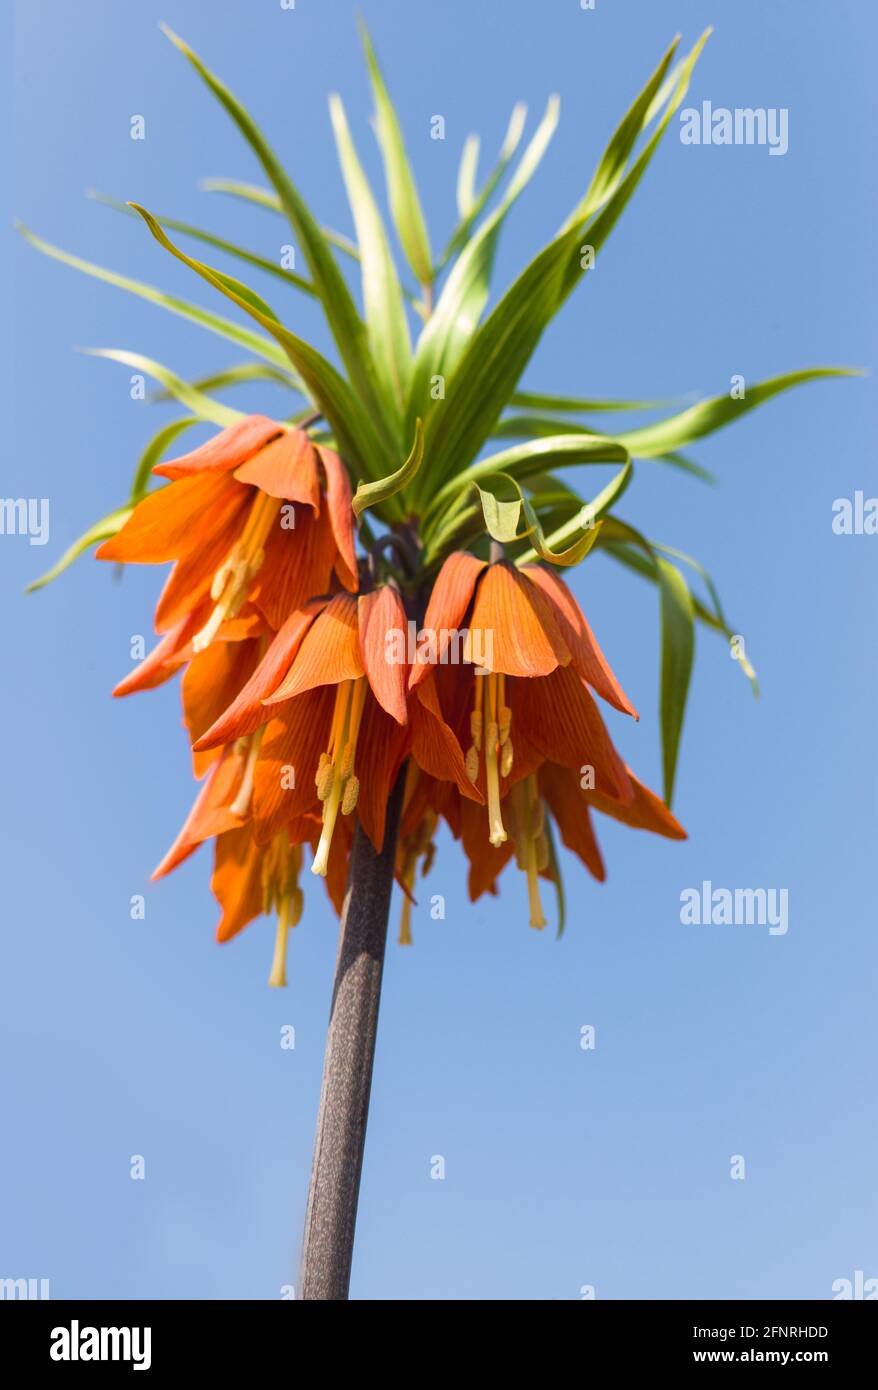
point(226, 328)
point(666, 436)
point(401, 191)
point(476, 202)
point(372, 494)
point(385, 310)
point(350, 421)
point(329, 283)
point(241, 374)
point(510, 516)
point(556, 876)
point(466, 177)
point(453, 322)
point(230, 247)
point(576, 405)
point(535, 456)
point(100, 531)
point(200, 404)
point(584, 522)
point(155, 451)
point(501, 347)
point(678, 651)
point(263, 197)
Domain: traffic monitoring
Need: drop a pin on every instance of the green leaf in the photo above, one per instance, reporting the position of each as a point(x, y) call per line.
point(385, 309)
point(263, 197)
point(501, 347)
point(465, 293)
point(678, 651)
point(200, 404)
point(556, 877)
point(576, 405)
point(533, 457)
point(100, 531)
point(466, 177)
point(241, 373)
point(666, 436)
point(329, 283)
point(230, 247)
point(155, 451)
point(402, 194)
point(371, 494)
point(350, 421)
point(510, 516)
point(465, 186)
point(584, 522)
point(244, 337)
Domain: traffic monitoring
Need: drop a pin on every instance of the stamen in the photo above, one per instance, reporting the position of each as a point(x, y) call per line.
point(280, 873)
point(496, 832)
point(231, 582)
point(337, 786)
point(241, 804)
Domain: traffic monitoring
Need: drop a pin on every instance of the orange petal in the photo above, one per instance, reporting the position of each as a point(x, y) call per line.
point(486, 860)
point(210, 814)
point(587, 657)
point(290, 752)
point(381, 749)
point(175, 521)
point(435, 747)
point(285, 468)
point(645, 812)
point(189, 582)
point(330, 652)
point(559, 717)
point(515, 624)
point(211, 681)
point(237, 881)
point(446, 609)
point(380, 617)
point(166, 657)
point(247, 713)
point(567, 801)
point(297, 565)
point(341, 516)
point(225, 451)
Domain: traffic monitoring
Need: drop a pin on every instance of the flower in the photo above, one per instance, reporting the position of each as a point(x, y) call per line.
point(528, 699)
point(257, 521)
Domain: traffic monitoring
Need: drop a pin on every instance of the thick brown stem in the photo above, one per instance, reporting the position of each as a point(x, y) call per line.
point(347, 1065)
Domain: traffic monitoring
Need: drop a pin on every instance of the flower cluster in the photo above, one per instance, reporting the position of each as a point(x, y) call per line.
point(302, 714)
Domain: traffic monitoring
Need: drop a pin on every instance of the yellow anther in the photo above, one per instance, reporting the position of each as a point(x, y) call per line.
point(472, 764)
point(350, 795)
point(475, 728)
point(506, 758)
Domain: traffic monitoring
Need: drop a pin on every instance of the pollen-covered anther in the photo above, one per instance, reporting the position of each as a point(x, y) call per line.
point(472, 764)
point(350, 795)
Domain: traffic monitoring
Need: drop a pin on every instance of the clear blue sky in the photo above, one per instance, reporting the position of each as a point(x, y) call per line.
point(563, 1167)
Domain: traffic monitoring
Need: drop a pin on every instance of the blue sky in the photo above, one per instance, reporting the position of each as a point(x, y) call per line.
point(564, 1167)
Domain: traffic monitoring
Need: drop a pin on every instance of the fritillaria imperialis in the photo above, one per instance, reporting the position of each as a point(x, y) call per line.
point(365, 602)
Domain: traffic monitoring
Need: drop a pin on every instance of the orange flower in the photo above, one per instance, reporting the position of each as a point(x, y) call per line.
point(257, 520)
point(528, 698)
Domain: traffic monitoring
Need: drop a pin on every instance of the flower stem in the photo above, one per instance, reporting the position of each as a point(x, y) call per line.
point(347, 1065)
